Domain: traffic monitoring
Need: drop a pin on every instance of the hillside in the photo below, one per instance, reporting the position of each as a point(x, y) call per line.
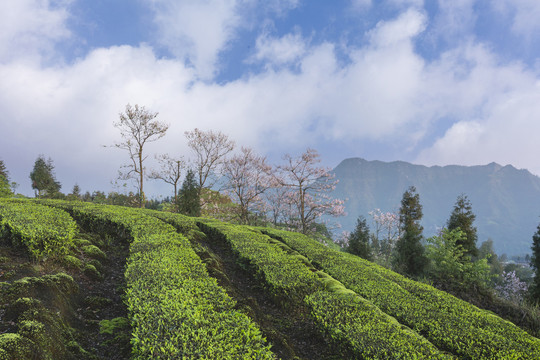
point(201, 288)
point(506, 200)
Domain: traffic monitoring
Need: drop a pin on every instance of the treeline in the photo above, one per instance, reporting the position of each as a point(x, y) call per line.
point(219, 181)
point(450, 260)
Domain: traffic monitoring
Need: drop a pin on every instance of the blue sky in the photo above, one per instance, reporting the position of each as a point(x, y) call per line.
point(430, 82)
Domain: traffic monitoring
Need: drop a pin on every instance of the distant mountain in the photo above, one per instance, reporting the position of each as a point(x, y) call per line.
point(505, 200)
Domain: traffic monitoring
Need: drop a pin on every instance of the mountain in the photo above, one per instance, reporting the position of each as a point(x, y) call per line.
point(505, 200)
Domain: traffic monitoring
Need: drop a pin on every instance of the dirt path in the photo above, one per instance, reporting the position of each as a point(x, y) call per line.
point(101, 299)
point(290, 330)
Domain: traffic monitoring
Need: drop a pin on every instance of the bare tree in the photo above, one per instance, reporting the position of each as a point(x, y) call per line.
point(170, 172)
point(311, 186)
point(210, 148)
point(137, 127)
point(248, 177)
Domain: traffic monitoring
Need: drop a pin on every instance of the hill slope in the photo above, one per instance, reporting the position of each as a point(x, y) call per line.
point(506, 200)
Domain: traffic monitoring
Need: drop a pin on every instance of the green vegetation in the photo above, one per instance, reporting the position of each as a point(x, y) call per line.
point(462, 218)
point(290, 277)
point(449, 323)
point(175, 309)
point(42, 230)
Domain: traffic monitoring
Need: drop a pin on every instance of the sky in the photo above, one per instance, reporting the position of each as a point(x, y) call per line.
point(429, 82)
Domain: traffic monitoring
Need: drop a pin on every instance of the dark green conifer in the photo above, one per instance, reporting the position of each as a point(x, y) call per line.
point(43, 179)
point(462, 218)
point(189, 202)
point(535, 265)
point(409, 257)
point(359, 240)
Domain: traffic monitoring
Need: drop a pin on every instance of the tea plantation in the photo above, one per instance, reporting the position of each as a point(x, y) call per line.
point(86, 281)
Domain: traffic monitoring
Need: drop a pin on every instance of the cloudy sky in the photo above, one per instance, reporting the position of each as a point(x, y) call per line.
point(430, 82)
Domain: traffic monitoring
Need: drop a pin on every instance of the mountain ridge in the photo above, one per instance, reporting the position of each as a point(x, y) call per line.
point(505, 200)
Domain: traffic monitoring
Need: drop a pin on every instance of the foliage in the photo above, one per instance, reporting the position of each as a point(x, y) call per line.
point(450, 267)
point(356, 323)
point(43, 179)
point(137, 127)
point(3, 170)
point(359, 240)
point(386, 234)
point(409, 257)
point(247, 178)
point(512, 288)
point(5, 190)
point(535, 265)
point(218, 206)
point(447, 322)
point(42, 230)
point(189, 202)
point(309, 186)
point(462, 218)
point(176, 309)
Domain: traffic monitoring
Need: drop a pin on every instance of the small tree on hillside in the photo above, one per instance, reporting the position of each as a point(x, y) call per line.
point(210, 148)
point(310, 187)
point(170, 172)
point(5, 190)
point(359, 240)
point(247, 178)
point(409, 258)
point(462, 218)
point(137, 127)
point(3, 171)
point(535, 265)
point(188, 198)
point(446, 266)
point(43, 178)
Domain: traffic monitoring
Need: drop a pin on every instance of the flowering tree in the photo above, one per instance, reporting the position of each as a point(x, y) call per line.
point(387, 232)
point(210, 148)
point(248, 177)
point(310, 186)
point(511, 287)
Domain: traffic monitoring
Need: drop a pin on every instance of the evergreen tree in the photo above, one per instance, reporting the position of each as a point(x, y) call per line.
point(535, 265)
point(5, 190)
point(462, 218)
point(410, 258)
point(189, 202)
point(43, 179)
point(3, 171)
point(359, 240)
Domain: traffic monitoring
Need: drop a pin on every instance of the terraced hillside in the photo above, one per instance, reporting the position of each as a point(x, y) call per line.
point(88, 281)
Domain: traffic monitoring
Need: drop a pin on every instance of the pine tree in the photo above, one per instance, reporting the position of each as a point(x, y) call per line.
point(535, 265)
point(43, 179)
point(3, 171)
point(189, 202)
point(462, 218)
point(410, 258)
point(359, 240)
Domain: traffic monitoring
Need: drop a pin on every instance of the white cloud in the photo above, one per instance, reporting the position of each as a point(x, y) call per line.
point(279, 51)
point(197, 30)
point(455, 19)
point(30, 28)
point(406, 26)
point(496, 108)
point(386, 92)
point(525, 15)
